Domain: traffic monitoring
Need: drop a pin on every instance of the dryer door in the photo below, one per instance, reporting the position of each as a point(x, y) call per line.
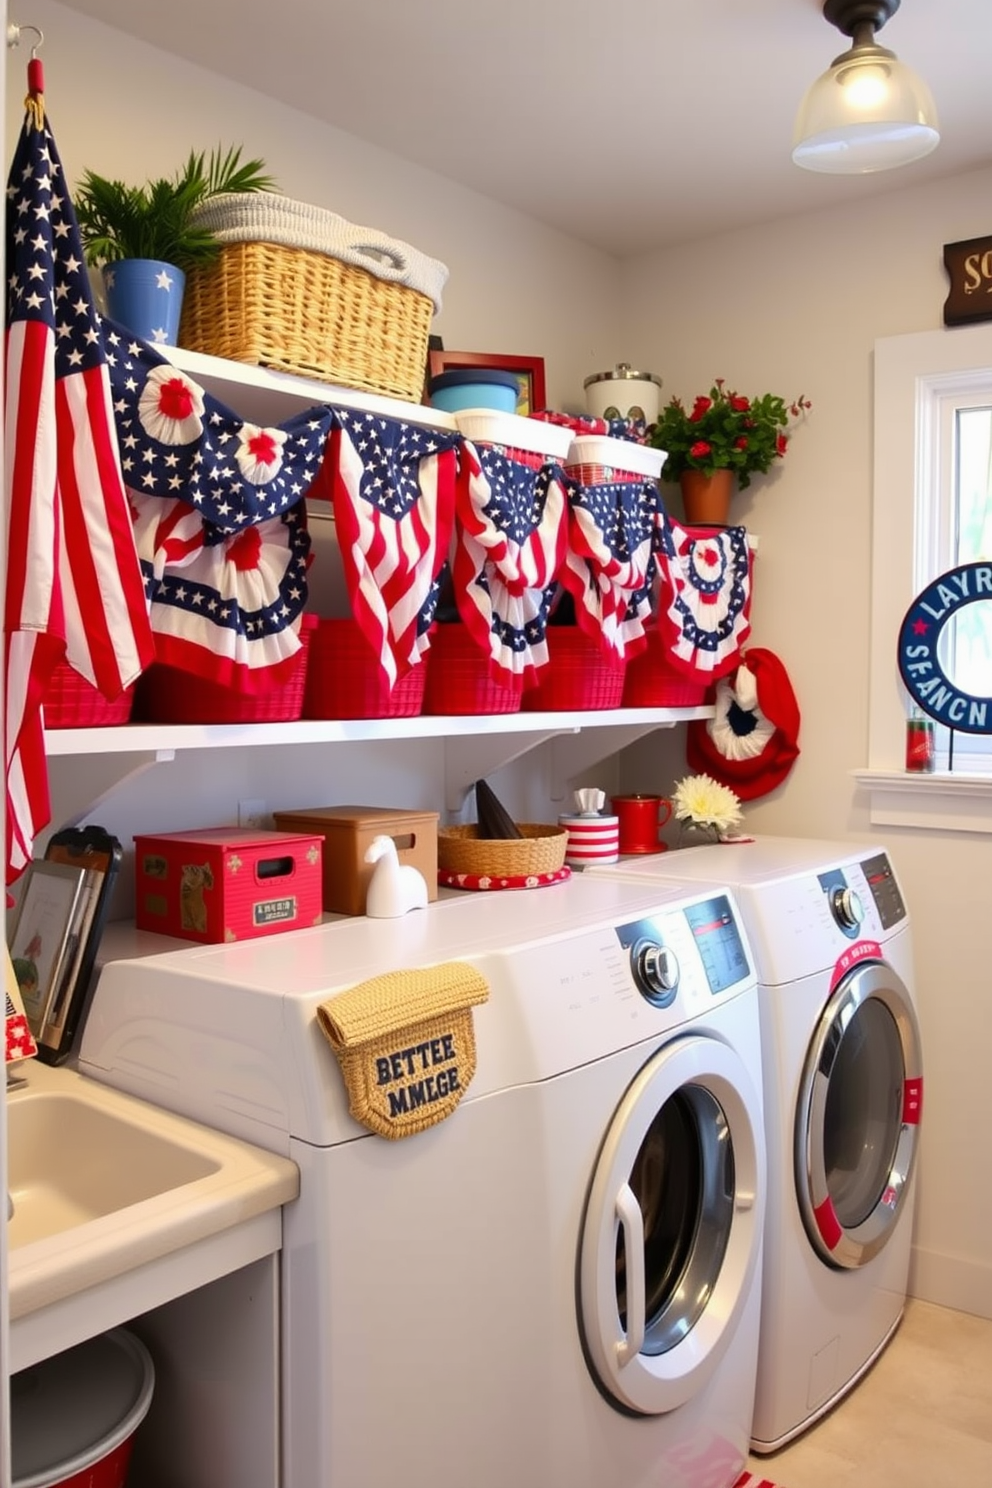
point(857, 1120)
point(672, 1231)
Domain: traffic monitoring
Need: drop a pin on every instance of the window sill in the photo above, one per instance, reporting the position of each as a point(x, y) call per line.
point(940, 802)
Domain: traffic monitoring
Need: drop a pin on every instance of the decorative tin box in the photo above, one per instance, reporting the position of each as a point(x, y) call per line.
point(225, 883)
point(347, 832)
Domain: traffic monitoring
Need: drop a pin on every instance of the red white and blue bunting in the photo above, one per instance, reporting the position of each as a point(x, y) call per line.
point(222, 537)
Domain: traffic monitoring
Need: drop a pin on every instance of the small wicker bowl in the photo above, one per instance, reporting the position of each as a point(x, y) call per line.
point(540, 850)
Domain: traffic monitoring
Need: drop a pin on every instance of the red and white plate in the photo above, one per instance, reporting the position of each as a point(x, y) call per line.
point(488, 881)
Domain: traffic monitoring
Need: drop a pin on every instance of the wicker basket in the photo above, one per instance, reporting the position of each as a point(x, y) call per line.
point(305, 312)
point(167, 694)
point(72, 702)
point(581, 674)
point(459, 677)
point(344, 679)
point(541, 849)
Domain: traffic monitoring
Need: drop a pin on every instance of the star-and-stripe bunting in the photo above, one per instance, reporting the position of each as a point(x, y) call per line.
point(610, 564)
point(73, 584)
point(510, 536)
point(219, 519)
point(392, 486)
point(704, 600)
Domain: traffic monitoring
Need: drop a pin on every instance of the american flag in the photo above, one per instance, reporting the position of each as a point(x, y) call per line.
point(392, 486)
point(704, 603)
point(610, 565)
point(74, 586)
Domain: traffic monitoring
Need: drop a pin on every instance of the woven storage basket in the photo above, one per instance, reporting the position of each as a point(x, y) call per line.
point(344, 679)
point(168, 695)
point(580, 674)
point(72, 702)
point(459, 679)
point(652, 681)
point(541, 849)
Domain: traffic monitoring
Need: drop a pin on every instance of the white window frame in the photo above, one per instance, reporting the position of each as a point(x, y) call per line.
point(914, 377)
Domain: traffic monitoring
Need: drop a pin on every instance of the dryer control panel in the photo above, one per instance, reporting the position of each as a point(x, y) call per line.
point(715, 936)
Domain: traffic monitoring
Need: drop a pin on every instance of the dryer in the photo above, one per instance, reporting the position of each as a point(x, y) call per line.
point(843, 1087)
point(559, 1283)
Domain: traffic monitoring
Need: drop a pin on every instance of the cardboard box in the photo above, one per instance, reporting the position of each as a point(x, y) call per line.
point(226, 883)
point(347, 832)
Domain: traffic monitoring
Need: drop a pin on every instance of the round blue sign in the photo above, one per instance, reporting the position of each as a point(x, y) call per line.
point(919, 636)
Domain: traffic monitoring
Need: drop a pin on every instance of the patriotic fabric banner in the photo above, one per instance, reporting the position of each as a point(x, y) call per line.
point(704, 601)
point(225, 561)
point(74, 586)
point(392, 486)
point(510, 536)
point(610, 563)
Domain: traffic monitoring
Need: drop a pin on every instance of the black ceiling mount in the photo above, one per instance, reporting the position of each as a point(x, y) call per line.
point(847, 15)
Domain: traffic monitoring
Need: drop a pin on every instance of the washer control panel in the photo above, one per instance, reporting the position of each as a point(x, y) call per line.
point(707, 928)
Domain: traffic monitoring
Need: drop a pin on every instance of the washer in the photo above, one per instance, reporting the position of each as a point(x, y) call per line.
point(843, 1088)
point(560, 1282)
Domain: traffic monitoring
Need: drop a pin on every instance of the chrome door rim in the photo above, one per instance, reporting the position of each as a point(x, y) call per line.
point(853, 1247)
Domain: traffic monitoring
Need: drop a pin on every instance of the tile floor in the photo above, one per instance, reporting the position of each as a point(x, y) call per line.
point(922, 1417)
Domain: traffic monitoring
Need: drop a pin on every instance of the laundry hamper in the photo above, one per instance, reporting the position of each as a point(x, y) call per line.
point(302, 290)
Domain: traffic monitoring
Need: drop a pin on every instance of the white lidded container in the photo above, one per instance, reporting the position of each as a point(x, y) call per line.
point(624, 393)
point(73, 1417)
point(595, 458)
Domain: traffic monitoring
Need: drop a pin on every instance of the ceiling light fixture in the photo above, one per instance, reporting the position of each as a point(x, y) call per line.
point(868, 112)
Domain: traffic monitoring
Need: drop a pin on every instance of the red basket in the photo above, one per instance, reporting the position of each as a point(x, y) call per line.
point(652, 681)
point(580, 674)
point(459, 680)
point(168, 695)
point(344, 679)
point(72, 702)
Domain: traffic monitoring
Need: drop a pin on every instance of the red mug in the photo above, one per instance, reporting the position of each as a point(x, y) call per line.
point(641, 819)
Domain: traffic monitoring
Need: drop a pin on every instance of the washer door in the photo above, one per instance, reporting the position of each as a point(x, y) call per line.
point(672, 1231)
point(857, 1121)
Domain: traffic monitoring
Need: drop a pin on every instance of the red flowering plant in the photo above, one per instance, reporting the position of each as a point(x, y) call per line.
point(725, 431)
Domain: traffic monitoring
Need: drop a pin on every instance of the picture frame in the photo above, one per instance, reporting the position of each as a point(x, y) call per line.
point(529, 372)
point(44, 933)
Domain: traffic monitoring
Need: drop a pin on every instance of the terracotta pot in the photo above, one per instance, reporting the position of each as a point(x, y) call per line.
point(706, 498)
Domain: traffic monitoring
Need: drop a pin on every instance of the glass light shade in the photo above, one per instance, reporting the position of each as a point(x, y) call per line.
point(868, 112)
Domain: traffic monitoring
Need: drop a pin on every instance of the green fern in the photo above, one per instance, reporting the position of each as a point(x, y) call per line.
point(156, 220)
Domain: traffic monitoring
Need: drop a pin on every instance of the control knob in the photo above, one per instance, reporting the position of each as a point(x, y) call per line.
point(846, 908)
point(656, 971)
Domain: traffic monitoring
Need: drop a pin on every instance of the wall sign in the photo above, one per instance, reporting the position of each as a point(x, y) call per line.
point(969, 268)
point(919, 636)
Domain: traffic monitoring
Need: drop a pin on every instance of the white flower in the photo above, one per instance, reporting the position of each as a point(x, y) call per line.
point(701, 799)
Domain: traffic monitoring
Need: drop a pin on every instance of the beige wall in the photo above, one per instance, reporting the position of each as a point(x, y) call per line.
point(795, 306)
point(791, 307)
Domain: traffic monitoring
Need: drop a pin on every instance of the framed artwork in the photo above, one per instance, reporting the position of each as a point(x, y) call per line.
point(529, 372)
point(44, 932)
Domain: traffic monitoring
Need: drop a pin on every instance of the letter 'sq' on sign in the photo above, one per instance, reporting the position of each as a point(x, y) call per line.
point(920, 665)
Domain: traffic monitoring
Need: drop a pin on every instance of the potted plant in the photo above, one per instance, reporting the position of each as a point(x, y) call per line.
point(722, 436)
point(144, 239)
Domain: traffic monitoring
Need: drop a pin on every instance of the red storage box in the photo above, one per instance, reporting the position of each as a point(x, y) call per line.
point(460, 678)
point(580, 674)
point(72, 702)
point(226, 883)
point(344, 679)
point(653, 682)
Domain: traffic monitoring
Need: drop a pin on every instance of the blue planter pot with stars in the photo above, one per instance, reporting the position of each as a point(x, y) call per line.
point(146, 296)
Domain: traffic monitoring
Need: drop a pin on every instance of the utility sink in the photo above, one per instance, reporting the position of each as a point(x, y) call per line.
point(104, 1184)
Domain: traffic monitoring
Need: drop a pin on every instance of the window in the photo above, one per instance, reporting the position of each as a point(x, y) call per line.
point(931, 511)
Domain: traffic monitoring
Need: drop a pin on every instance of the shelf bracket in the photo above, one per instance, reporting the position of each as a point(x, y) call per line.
point(77, 796)
point(572, 754)
point(469, 758)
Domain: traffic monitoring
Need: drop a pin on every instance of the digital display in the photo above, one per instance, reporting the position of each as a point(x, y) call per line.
point(884, 890)
point(718, 941)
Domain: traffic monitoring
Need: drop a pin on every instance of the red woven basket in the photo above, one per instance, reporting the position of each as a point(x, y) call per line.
point(580, 674)
point(72, 702)
point(168, 695)
point(344, 679)
point(652, 681)
point(459, 680)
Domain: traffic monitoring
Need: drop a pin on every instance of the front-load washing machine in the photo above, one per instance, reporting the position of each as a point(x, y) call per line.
point(558, 1283)
point(843, 1087)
